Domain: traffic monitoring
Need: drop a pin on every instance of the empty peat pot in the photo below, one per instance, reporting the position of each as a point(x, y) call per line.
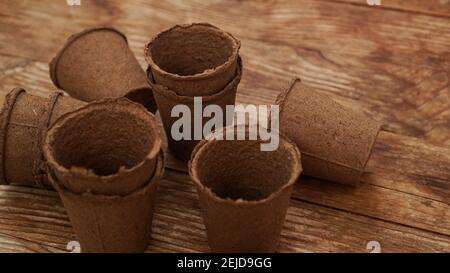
point(24, 119)
point(105, 161)
point(335, 141)
point(112, 223)
point(244, 192)
point(167, 99)
point(107, 147)
point(193, 60)
point(97, 63)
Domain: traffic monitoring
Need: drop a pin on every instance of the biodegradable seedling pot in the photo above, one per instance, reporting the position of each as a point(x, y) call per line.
point(244, 192)
point(24, 120)
point(107, 147)
point(335, 141)
point(193, 60)
point(97, 63)
point(166, 99)
point(112, 223)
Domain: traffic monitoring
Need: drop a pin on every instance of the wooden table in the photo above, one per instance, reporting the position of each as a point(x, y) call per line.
point(391, 62)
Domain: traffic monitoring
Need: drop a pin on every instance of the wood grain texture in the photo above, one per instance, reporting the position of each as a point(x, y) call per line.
point(35, 221)
point(391, 63)
point(435, 7)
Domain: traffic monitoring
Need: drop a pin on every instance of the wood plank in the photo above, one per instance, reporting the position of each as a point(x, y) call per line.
point(388, 64)
point(31, 75)
point(14, 244)
point(178, 226)
point(408, 165)
point(435, 7)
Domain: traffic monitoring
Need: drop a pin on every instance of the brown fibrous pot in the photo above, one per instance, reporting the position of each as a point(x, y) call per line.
point(193, 60)
point(97, 63)
point(24, 120)
point(167, 99)
point(244, 192)
point(335, 141)
point(107, 147)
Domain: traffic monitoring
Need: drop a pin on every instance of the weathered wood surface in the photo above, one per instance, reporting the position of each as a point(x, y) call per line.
point(391, 62)
point(435, 7)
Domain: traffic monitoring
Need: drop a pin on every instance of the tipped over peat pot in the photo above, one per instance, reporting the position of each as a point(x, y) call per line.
point(193, 60)
point(105, 161)
point(244, 192)
point(24, 120)
point(97, 63)
point(335, 141)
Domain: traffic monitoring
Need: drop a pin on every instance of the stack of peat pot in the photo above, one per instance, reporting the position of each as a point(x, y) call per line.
point(188, 61)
